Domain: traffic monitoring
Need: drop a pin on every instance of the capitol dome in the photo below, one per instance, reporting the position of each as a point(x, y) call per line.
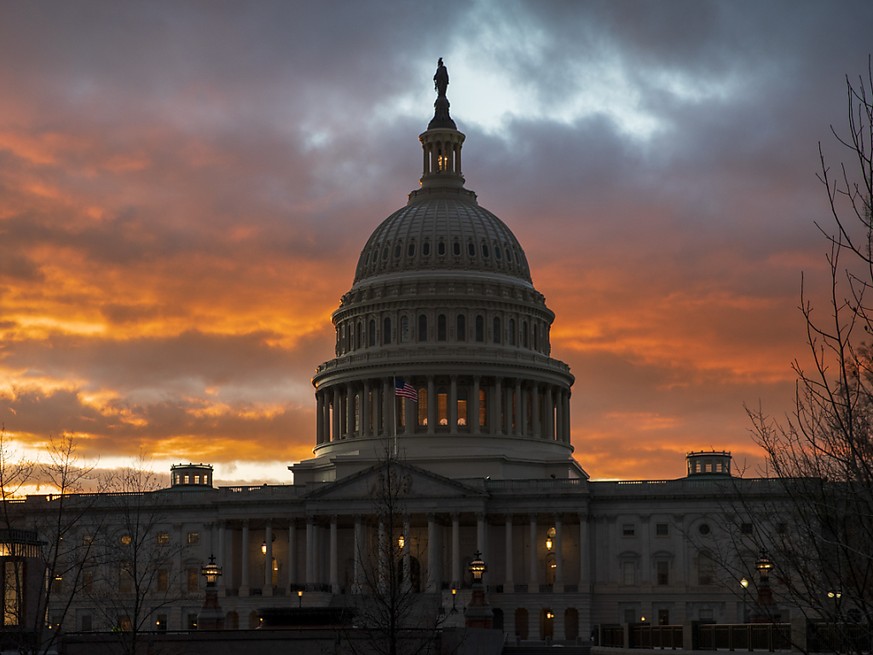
point(443, 356)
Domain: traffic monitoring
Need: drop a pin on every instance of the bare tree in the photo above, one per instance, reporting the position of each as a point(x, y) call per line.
point(820, 528)
point(40, 532)
point(393, 616)
point(137, 576)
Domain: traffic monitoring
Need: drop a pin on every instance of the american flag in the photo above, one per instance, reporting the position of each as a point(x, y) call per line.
point(403, 389)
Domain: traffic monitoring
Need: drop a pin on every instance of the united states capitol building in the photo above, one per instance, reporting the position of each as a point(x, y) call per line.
point(443, 367)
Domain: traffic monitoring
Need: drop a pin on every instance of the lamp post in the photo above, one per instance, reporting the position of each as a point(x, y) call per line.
point(744, 583)
point(765, 595)
point(478, 614)
point(299, 598)
point(454, 596)
point(211, 615)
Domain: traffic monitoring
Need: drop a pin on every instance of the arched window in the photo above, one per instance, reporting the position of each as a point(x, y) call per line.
point(496, 336)
point(462, 327)
point(386, 331)
point(422, 327)
point(410, 250)
point(425, 248)
point(480, 329)
point(404, 329)
point(441, 327)
point(471, 249)
point(536, 337)
point(371, 337)
point(571, 624)
point(359, 335)
point(441, 248)
point(524, 334)
point(512, 332)
point(456, 249)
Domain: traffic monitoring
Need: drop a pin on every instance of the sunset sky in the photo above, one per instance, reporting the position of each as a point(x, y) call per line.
point(185, 188)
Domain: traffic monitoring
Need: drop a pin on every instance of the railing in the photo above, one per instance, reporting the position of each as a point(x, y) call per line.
point(642, 635)
point(745, 636)
point(827, 636)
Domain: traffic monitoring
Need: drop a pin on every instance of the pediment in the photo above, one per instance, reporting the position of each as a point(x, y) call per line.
point(406, 482)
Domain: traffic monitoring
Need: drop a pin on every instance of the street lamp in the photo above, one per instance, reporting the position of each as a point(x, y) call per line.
point(211, 617)
point(299, 598)
point(744, 583)
point(211, 572)
point(765, 595)
point(478, 567)
point(454, 595)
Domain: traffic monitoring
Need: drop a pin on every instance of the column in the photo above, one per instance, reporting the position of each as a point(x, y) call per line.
point(508, 412)
point(473, 407)
point(309, 578)
point(533, 584)
point(535, 410)
point(377, 409)
point(433, 555)
point(584, 558)
point(480, 535)
point(522, 399)
point(456, 551)
point(366, 428)
point(519, 409)
point(496, 410)
point(567, 416)
point(388, 417)
point(221, 554)
point(336, 414)
point(453, 403)
point(431, 405)
point(350, 412)
point(268, 561)
point(508, 584)
point(291, 565)
point(559, 556)
point(244, 565)
point(319, 418)
point(334, 578)
point(549, 418)
point(359, 550)
point(407, 557)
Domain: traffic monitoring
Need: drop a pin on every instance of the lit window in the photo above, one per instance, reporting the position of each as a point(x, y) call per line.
point(193, 538)
point(163, 538)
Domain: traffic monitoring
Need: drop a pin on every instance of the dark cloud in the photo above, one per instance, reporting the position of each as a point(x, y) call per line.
point(186, 189)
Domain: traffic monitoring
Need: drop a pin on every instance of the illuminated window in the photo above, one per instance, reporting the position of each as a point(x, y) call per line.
point(13, 573)
point(442, 408)
point(163, 580)
point(163, 538)
point(193, 538)
point(462, 413)
point(483, 407)
point(422, 407)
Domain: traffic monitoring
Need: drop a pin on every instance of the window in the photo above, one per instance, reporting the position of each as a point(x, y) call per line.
point(441, 248)
point(192, 574)
point(371, 337)
point(163, 580)
point(662, 572)
point(13, 572)
point(404, 329)
point(662, 529)
point(87, 581)
point(193, 538)
point(456, 249)
point(471, 249)
point(705, 569)
point(512, 332)
point(630, 616)
point(441, 327)
point(704, 528)
point(628, 530)
point(422, 327)
point(425, 248)
point(125, 578)
point(386, 331)
point(410, 250)
point(496, 330)
point(462, 327)
point(480, 329)
point(628, 573)
point(163, 538)
point(663, 617)
point(85, 623)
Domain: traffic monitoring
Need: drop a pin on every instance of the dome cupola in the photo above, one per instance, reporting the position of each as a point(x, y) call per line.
point(443, 306)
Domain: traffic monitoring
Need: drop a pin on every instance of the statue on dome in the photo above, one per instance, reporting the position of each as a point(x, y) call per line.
point(441, 79)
